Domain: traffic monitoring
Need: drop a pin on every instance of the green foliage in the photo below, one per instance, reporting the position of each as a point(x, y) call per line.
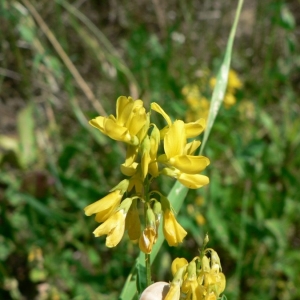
point(53, 163)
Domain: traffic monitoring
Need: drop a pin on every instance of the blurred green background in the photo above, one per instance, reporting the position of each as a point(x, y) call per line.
point(64, 62)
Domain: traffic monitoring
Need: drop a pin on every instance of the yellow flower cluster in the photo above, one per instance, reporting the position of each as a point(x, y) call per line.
point(199, 105)
point(200, 279)
point(146, 160)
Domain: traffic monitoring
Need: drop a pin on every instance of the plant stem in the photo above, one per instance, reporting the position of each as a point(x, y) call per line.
point(147, 256)
point(148, 269)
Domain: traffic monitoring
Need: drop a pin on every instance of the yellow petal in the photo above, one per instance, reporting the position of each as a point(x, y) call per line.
point(117, 132)
point(145, 152)
point(98, 123)
point(193, 129)
point(175, 139)
point(193, 181)
point(173, 231)
point(190, 148)
point(157, 108)
point(131, 155)
point(113, 227)
point(153, 169)
point(177, 264)
point(129, 170)
point(189, 164)
point(123, 109)
point(111, 200)
point(137, 120)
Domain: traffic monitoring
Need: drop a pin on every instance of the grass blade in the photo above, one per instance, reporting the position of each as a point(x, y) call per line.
point(222, 78)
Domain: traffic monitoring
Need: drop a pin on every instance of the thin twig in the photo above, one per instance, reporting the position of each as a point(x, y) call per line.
point(65, 58)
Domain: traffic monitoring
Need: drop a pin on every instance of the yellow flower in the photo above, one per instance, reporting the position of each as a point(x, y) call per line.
point(174, 146)
point(113, 227)
point(229, 100)
point(191, 91)
point(190, 286)
point(233, 80)
point(173, 231)
point(200, 219)
point(104, 207)
point(130, 119)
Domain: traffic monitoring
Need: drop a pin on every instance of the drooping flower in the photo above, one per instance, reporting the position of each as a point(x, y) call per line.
point(104, 207)
point(173, 231)
point(114, 226)
point(130, 119)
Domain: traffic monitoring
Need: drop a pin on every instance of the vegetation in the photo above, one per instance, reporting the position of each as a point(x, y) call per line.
point(66, 62)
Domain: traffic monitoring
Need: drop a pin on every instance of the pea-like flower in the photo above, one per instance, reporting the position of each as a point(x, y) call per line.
point(175, 156)
point(114, 226)
point(173, 231)
point(130, 119)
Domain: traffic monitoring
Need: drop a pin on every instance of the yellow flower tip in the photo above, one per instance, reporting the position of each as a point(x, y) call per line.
point(157, 108)
point(113, 227)
point(189, 164)
point(178, 263)
point(105, 206)
point(193, 181)
point(194, 129)
point(173, 231)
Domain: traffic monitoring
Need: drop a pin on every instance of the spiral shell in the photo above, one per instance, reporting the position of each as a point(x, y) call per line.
point(156, 291)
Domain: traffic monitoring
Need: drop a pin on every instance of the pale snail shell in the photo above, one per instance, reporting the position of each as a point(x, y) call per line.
point(156, 291)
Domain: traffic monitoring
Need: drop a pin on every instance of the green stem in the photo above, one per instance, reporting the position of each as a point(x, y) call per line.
point(148, 269)
point(147, 256)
